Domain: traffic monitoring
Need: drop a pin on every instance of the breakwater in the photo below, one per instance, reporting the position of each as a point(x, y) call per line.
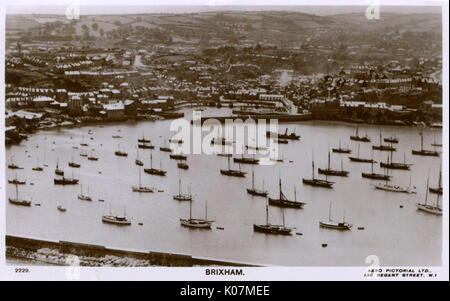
point(57, 252)
point(279, 117)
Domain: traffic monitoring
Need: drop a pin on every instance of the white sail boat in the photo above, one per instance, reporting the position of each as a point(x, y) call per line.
point(141, 188)
point(427, 207)
point(335, 225)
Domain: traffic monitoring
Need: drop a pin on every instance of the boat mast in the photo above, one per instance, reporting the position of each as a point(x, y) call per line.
point(280, 190)
point(426, 191)
point(358, 149)
point(329, 214)
point(267, 214)
point(190, 209)
point(253, 179)
point(421, 141)
point(206, 210)
point(329, 156)
point(151, 160)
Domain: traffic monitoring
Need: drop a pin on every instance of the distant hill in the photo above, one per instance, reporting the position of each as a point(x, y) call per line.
point(238, 24)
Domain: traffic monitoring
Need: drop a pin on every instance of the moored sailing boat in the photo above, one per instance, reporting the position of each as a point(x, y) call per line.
point(282, 201)
point(361, 160)
point(330, 224)
point(341, 150)
point(116, 219)
point(427, 207)
point(58, 171)
point(73, 164)
point(155, 171)
point(17, 200)
point(317, 182)
point(84, 197)
point(143, 140)
point(394, 188)
point(232, 172)
point(383, 147)
point(437, 190)
point(333, 172)
point(395, 165)
point(137, 161)
point(13, 166)
point(424, 152)
point(180, 196)
point(141, 188)
point(198, 223)
point(356, 137)
point(120, 153)
point(257, 192)
point(375, 176)
point(17, 181)
point(272, 229)
point(66, 181)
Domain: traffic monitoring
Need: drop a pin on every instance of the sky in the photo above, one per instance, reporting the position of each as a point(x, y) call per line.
point(93, 7)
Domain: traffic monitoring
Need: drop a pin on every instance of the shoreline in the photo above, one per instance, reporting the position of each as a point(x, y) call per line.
point(297, 118)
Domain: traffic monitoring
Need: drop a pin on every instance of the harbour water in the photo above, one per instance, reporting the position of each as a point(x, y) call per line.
point(396, 235)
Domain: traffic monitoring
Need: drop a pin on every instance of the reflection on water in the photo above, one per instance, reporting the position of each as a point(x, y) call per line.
point(390, 232)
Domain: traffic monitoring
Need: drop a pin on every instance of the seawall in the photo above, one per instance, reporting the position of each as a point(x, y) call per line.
point(154, 258)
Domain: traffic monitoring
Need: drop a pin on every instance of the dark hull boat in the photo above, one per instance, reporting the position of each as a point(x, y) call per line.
point(233, 173)
point(257, 192)
point(93, 158)
point(375, 176)
point(317, 182)
point(154, 171)
point(285, 135)
point(183, 165)
point(165, 149)
point(198, 223)
point(332, 172)
point(19, 202)
point(282, 201)
point(272, 229)
point(65, 181)
point(143, 140)
point(437, 190)
point(382, 147)
point(391, 140)
point(74, 165)
point(17, 182)
point(356, 137)
point(178, 157)
point(424, 152)
point(138, 162)
point(361, 160)
point(145, 146)
point(120, 154)
point(14, 166)
point(281, 141)
point(245, 160)
point(395, 165)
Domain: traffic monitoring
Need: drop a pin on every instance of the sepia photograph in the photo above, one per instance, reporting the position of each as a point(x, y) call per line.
point(229, 135)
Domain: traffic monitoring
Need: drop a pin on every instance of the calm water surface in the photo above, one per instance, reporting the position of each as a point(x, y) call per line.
point(398, 236)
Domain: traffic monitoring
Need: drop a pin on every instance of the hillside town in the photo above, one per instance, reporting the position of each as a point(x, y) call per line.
point(54, 82)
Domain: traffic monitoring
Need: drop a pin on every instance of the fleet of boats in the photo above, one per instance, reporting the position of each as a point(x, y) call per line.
point(280, 201)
